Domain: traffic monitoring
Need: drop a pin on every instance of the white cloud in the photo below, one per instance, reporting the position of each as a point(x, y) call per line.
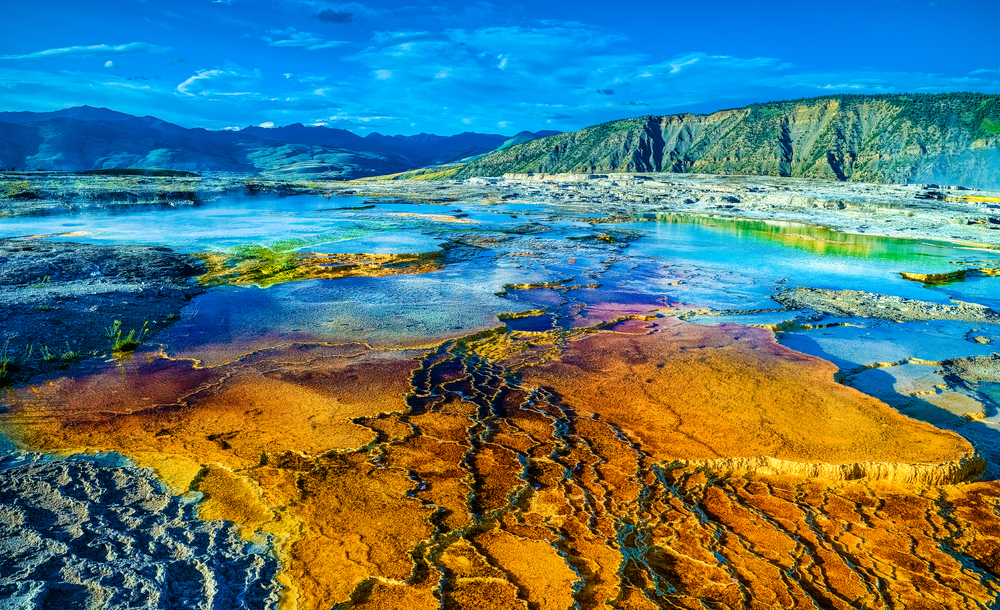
point(110, 64)
point(230, 80)
point(129, 86)
point(396, 37)
point(549, 72)
point(90, 51)
point(677, 66)
point(291, 37)
point(531, 75)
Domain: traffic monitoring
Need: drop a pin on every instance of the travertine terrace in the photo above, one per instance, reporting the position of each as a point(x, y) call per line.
point(544, 393)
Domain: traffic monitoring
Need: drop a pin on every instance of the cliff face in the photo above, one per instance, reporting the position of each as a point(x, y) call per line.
point(952, 138)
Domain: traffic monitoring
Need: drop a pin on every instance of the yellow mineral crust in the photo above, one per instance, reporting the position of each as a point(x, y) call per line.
point(620, 469)
point(295, 398)
point(435, 218)
point(716, 393)
point(218, 430)
point(265, 267)
point(951, 276)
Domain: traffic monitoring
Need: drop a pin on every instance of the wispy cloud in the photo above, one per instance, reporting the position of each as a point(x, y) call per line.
point(291, 37)
point(230, 80)
point(92, 50)
point(422, 75)
point(548, 73)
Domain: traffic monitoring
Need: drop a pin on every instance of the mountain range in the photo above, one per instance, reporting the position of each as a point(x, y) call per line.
point(953, 138)
point(86, 138)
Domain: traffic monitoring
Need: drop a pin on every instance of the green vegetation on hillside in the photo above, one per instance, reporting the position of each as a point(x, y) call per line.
point(950, 137)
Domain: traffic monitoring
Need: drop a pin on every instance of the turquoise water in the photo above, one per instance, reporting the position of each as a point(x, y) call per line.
point(233, 221)
point(496, 258)
point(657, 261)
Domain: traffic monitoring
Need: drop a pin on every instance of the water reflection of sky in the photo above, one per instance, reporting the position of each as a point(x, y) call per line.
point(731, 263)
point(739, 261)
point(230, 222)
point(596, 271)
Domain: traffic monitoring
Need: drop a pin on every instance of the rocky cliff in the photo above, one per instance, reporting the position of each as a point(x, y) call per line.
point(952, 138)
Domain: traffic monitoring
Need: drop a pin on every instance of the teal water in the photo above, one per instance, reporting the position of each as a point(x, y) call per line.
point(496, 258)
point(655, 261)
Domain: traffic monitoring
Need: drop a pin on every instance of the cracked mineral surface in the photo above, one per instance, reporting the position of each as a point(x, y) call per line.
point(77, 533)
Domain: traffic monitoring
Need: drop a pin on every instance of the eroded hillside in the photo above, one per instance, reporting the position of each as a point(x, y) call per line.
point(952, 138)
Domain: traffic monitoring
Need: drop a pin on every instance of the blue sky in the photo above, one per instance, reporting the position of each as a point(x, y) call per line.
point(446, 67)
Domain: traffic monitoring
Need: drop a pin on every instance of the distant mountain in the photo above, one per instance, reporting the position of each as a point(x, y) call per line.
point(80, 113)
point(526, 136)
point(72, 144)
point(428, 149)
point(419, 150)
point(86, 138)
point(297, 133)
point(952, 138)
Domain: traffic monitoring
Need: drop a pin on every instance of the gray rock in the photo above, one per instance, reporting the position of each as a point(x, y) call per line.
point(856, 303)
point(63, 296)
point(78, 533)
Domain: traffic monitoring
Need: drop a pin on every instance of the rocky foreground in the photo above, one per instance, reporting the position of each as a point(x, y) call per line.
point(856, 303)
point(926, 211)
point(59, 301)
point(80, 533)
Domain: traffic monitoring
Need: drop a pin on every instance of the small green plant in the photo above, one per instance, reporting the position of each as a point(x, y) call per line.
point(69, 354)
point(44, 308)
point(126, 343)
point(47, 354)
point(6, 362)
point(29, 349)
point(42, 282)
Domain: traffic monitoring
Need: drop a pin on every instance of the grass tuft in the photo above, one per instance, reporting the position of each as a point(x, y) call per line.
point(6, 361)
point(126, 343)
point(69, 354)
